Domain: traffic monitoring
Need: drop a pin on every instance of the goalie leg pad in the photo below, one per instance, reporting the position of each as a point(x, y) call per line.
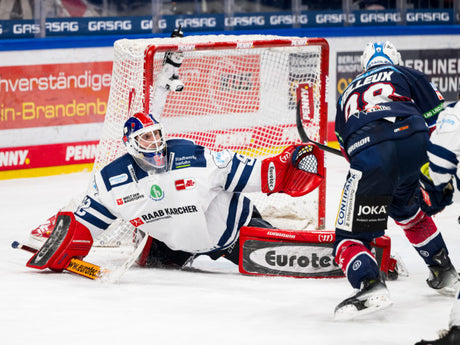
point(299, 254)
point(69, 239)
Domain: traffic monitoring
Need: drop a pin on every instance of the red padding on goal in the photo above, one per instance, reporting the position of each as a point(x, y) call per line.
point(299, 254)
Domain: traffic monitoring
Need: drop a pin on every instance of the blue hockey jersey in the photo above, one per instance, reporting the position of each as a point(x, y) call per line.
point(385, 91)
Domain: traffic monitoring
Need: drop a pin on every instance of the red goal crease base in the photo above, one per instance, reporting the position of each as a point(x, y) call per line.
point(299, 254)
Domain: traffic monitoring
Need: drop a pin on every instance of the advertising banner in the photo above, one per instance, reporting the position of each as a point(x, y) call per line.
point(53, 95)
point(30, 157)
point(441, 66)
point(55, 27)
point(50, 112)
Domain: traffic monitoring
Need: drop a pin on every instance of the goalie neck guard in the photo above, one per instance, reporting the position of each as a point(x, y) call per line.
point(143, 137)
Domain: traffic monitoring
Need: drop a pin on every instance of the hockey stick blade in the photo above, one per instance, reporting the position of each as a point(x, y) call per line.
point(302, 133)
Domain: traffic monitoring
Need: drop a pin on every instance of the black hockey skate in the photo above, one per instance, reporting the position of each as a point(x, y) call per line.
point(372, 296)
point(443, 277)
point(451, 337)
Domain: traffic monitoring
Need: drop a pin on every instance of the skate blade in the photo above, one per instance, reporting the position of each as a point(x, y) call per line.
point(450, 291)
point(372, 305)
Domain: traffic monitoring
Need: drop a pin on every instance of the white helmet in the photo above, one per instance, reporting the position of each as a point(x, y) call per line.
point(379, 53)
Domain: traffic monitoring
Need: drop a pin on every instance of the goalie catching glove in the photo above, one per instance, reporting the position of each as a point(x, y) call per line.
point(69, 239)
point(297, 171)
point(434, 198)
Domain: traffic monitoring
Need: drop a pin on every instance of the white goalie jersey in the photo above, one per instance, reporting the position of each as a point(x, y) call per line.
point(444, 151)
point(196, 206)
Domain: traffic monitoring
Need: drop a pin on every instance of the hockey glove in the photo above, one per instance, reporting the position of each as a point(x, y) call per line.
point(69, 239)
point(177, 32)
point(169, 75)
point(297, 171)
point(434, 198)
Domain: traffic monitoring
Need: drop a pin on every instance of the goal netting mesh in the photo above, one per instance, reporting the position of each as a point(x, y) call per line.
point(240, 94)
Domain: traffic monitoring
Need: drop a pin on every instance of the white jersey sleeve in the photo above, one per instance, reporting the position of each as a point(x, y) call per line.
point(92, 211)
point(240, 173)
point(444, 149)
point(198, 206)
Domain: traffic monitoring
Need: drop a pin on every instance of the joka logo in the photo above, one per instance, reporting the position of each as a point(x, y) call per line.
point(156, 193)
point(136, 222)
point(188, 183)
point(371, 210)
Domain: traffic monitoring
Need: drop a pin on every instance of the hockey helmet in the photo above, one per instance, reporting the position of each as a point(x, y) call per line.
point(143, 137)
point(379, 53)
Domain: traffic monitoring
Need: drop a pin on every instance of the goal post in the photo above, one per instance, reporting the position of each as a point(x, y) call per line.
point(240, 94)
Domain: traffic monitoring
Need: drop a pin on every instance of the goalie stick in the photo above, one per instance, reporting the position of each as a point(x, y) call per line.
point(92, 271)
point(77, 266)
point(305, 107)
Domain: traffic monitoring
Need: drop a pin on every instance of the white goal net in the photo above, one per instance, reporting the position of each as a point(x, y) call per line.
point(239, 95)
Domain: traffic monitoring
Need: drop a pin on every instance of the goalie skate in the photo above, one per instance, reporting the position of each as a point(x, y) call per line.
point(372, 296)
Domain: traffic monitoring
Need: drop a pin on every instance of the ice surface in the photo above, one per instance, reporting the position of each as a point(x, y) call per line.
point(155, 306)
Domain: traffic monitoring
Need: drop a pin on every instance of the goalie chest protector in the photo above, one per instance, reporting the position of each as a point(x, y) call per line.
point(300, 254)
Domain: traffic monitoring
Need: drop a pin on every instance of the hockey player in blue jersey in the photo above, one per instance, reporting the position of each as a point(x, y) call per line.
point(382, 124)
point(188, 199)
point(438, 188)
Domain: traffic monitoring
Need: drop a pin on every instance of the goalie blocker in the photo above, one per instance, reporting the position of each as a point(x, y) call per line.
point(300, 254)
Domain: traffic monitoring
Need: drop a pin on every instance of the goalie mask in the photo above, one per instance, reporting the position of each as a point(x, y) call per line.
point(143, 137)
point(379, 53)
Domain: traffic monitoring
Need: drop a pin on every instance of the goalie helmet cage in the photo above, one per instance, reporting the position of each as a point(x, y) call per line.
point(240, 94)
